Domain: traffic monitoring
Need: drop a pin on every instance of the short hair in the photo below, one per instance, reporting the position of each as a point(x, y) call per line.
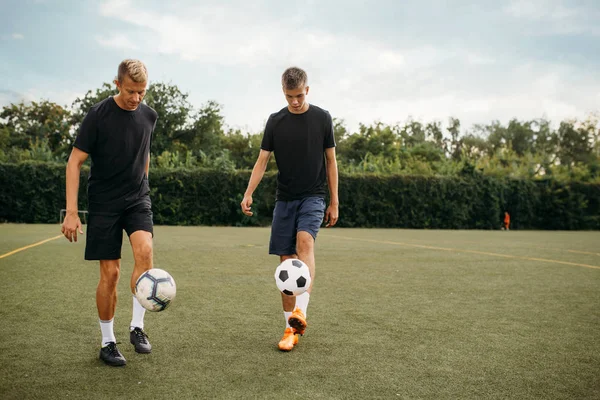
point(293, 78)
point(135, 69)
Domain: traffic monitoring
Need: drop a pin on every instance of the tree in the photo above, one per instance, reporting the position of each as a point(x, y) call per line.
point(454, 129)
point(339, 131)
point(412, 133)
point(545, 146)
point(243, 148)
point(473, 147)
point(575, 144)
point(206, 131)
point(81, 106)
point(373, 139)
point(28, 125)
point(167, 100)
point(520, 136)
point(174, 117)
point(433, 133)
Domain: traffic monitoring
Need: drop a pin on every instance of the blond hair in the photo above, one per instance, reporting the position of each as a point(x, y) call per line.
point(135, 69)
point(293, 78)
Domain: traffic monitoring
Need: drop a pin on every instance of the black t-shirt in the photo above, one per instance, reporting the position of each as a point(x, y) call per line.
point(299, 142)
point(118, 142)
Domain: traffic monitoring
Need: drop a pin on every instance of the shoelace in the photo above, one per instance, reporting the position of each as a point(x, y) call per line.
point(112, 349)
point(140, 335)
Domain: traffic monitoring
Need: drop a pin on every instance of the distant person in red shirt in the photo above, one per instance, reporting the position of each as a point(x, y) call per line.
point(506, 220)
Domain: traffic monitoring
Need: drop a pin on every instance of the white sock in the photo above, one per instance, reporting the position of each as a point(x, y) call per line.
point(287, 315)
point(108, 335)
point(137, 319)
point(302, 302)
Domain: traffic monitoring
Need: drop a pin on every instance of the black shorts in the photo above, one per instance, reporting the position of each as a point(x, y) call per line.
point(104, 233)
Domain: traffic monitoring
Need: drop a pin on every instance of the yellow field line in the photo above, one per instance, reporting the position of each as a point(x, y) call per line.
point(10, 253)
point(583, 252)
point(467, 251)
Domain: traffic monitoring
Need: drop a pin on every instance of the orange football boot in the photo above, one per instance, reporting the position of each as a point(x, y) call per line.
point(288, 341)
point(297, 321)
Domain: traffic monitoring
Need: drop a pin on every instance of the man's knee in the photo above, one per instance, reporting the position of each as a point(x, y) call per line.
point(109, 271)
point(141, 243)
point(144, 251)
point(304, 242)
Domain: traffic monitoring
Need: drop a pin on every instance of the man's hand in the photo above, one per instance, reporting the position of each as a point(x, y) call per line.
point(331, 215)
point(71, 225)
point(245, 204)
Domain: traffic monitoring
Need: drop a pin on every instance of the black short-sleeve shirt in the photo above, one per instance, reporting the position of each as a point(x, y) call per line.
point(118, 142)
point(299, 142)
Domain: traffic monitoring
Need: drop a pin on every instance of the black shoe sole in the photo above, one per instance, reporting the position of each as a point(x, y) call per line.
point(114, 364)
point(141, 351)
point(297, 325)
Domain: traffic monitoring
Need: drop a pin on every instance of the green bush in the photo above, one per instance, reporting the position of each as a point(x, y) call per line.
point(34, 192)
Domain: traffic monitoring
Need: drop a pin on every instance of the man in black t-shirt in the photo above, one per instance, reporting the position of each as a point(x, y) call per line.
point(301, 137)
point(116, 134)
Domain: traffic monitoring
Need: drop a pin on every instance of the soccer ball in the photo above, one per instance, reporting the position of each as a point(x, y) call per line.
point(155, 289)
point(292, 277)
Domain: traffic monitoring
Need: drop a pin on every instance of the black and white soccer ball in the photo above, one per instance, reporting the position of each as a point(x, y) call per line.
point(155, 289)
point(292, 277)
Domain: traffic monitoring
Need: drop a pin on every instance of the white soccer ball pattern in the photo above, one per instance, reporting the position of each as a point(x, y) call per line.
point(292, 277)
point(155, 289)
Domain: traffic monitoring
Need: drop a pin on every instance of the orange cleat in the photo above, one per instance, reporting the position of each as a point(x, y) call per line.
point(297, 321)
point(288, 341)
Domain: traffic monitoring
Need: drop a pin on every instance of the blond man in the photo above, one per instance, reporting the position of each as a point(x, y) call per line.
point(116, 134)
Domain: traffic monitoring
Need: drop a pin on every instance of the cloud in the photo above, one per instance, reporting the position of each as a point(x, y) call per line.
point(9, 96)
point(478, 59)
point(541, 10)
point(60, 97)
point(528, 91)
point(221, 34)
point(555, 17)
point(116, 41)
point(234, 52)
point(240, 36)
point(18, 36)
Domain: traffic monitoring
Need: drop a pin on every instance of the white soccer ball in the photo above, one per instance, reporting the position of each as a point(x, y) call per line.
point(155, 289)
point(292, 277)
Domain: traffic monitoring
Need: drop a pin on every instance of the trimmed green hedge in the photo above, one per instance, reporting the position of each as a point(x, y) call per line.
point(34, 192)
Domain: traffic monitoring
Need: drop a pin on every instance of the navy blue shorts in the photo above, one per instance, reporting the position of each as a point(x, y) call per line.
point(104, 232)
point(291, 217)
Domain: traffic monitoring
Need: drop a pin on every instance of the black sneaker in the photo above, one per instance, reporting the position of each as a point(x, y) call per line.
point(139, 339)
point(112, 356)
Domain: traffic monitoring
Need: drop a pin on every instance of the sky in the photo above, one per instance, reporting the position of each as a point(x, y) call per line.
point(367, 61)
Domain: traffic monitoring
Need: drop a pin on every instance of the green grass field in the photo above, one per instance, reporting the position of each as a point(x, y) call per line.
point(395, 314)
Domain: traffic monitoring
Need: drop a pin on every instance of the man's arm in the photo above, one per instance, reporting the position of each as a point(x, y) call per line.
point(148, 165)
point(332, 212)
point(257, 174)
point(72, 224)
